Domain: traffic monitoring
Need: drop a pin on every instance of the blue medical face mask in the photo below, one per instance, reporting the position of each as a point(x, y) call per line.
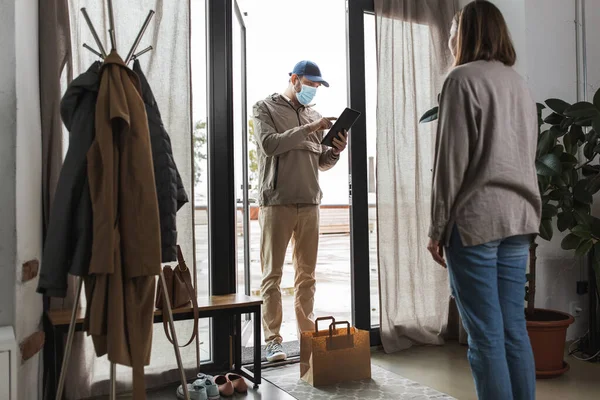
point(306, 94)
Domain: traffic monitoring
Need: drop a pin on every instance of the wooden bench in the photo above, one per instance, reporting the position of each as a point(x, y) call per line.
point(232, 305)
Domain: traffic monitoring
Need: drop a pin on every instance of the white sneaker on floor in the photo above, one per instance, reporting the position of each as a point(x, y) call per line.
point(275, 352)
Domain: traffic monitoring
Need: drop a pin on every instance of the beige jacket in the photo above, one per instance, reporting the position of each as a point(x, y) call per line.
point(484, 178)
point(289, 155)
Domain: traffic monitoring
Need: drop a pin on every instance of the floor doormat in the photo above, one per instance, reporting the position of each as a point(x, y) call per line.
point(384, 385)
point(291, 349)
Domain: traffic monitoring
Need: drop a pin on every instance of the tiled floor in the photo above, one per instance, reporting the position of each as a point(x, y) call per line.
point(446, 369)
point(266, 391)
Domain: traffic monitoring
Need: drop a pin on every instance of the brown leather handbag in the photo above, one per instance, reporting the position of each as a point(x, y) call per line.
point(180, 292)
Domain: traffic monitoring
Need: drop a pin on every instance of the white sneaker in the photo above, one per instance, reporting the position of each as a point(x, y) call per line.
point(275, 352)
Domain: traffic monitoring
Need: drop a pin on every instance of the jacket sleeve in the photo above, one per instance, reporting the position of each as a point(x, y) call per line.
point(456, 128)
point(271, 142)
point(328, 160)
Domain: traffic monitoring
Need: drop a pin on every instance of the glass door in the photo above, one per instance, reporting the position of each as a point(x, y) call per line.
point(240, 143)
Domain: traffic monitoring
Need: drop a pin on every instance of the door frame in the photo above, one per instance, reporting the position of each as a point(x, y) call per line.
point(358, 167)
point(221, 179)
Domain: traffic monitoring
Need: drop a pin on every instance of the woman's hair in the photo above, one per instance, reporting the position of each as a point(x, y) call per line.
point(456, 19)
point(483, 35)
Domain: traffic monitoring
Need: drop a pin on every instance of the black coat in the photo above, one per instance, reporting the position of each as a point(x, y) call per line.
point(169, 187)
point(68, 244)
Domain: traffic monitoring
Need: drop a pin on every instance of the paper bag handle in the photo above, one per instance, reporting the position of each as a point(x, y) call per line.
point(322, 319)
point(333, 324)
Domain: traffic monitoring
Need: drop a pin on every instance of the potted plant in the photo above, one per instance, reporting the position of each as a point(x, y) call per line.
point(567, 186)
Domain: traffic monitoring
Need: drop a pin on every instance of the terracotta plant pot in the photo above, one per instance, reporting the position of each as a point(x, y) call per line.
point(548, 333)
point(254, 213)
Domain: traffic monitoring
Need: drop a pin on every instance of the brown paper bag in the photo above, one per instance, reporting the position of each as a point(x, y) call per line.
point(335, 355)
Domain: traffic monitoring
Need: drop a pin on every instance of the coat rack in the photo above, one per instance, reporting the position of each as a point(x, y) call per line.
point(71, 333)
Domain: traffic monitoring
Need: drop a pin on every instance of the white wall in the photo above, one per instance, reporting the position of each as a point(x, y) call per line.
point(28, 188)
point(20, 177)
point(544, 35)
point(8, 129)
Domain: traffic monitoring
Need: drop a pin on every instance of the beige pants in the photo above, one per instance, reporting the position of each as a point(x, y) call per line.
point(280, 224)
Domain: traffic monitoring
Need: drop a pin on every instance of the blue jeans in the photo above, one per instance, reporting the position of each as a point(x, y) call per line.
point(488, 282)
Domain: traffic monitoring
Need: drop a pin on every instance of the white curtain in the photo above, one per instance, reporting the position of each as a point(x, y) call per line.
point(413, 58)
point(167, 68)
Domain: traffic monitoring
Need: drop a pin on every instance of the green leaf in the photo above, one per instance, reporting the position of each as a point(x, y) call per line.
point(576, 133)
point(560, 181)
point(557, 105)
point(568, 161)
point(570, 242)
point(597, 99)
point(592, 136)
point(557, 131)
point(596, 124)
point(543, 183)
point(540, 107)
point(590, 170)
point(430, 115)
point(568, 202)
point(584, 247)
point(554, 119)
point(582, 231)
point(546, 142)
point(546, 229)
point(558, 150)
point(588, 150)
point(565, 220)
point(581, 193)
point(594, 184)
point(587, 122)
point(597, 252)
point(595, 227)
point(557, 194)
point(549, 211)
point(548, 165)
point(582, 217)
point(570, 144)
point(528, 277)
point(582, 110)
point(567, 122)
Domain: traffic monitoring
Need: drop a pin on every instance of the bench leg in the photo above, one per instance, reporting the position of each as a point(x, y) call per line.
point(257, 347)
point(58, 337)
point(237, 348)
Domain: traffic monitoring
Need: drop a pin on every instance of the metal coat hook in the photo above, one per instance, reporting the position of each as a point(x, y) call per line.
point(142, 52)
point(138, 39)
point(111, 24)
point(94, 33)
point(96, 52)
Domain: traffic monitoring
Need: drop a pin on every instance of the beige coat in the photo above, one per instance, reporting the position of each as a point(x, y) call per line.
point(126, 230)
point(289, 156)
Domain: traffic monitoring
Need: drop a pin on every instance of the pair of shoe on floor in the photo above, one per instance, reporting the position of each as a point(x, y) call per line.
point(208, 388)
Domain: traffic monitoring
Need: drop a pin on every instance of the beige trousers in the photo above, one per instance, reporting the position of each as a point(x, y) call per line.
point(279, 224)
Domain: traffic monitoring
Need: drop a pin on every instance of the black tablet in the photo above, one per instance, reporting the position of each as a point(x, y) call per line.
point(343, 123)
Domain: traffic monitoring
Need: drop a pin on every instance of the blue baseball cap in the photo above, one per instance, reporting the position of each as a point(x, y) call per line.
point(310, 71)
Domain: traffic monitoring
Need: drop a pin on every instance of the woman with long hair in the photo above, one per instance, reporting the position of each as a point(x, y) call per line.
point(485, 200)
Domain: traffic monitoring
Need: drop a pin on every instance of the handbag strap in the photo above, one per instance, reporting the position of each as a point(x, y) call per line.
point(184, 273)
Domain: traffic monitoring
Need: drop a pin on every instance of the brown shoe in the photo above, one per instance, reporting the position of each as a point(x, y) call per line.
point(225, 386)
point(239, 383)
